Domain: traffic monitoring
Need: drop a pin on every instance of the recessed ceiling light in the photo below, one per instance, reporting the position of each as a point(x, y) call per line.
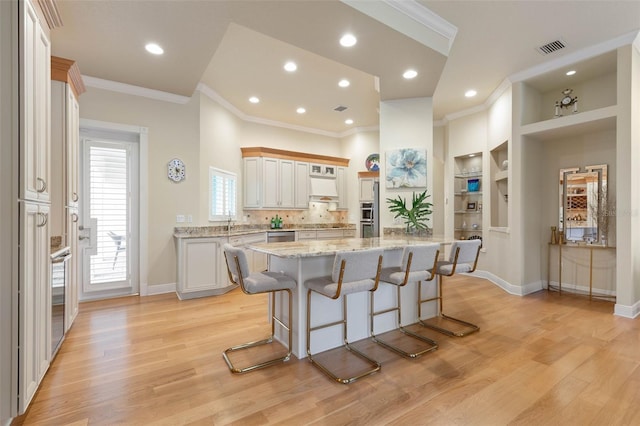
point(470, 93)
point(290, 66)
point(254, 100)
point(409, 74)
point(344, 83)
point(572, 72)
point(154, 48)
point(348, 40)
point(301, 110)
point(348, 121)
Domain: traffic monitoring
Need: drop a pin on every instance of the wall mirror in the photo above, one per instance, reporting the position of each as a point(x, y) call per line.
point(582, 197)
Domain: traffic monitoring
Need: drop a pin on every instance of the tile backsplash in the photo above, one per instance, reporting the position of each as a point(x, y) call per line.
point(317, 213)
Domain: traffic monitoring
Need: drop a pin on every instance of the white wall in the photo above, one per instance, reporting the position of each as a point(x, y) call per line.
point(357, 147)
point(405, 123)
point(202, 134)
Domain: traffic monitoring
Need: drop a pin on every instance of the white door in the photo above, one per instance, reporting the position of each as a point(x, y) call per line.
point(108, 216)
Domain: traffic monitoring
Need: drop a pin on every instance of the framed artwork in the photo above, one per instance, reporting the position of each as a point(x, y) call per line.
point(406, 168)
point(471, 206)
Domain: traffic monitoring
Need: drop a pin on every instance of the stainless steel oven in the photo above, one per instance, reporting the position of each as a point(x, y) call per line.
point(59, 278)
point(366, 212)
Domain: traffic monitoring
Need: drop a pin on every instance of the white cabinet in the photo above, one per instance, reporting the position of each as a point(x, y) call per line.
point(366, 190)
point(201, 270)
point(302, 185)
point(35, 104)
point(275, 179)
point(324, 234)
point(34, 301)
point(252, 182)
point(33, 351)
point(278, 183)
point(342, 187)
point(257, 261)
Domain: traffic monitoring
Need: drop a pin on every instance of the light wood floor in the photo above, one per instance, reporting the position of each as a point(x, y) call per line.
point(538, 360)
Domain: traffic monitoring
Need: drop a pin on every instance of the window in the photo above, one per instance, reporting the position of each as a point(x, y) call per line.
point(222, 194)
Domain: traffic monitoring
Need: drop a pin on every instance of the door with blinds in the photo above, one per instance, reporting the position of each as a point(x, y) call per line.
point(108, 225)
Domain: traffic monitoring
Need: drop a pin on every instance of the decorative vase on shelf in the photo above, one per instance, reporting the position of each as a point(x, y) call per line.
point(554, 235)
point(505, 165)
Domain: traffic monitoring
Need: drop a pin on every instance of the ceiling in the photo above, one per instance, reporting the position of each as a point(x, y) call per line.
point(238, 49)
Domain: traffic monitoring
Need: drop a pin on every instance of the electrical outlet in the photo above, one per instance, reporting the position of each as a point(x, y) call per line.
point(180, 218)
point(189, 218)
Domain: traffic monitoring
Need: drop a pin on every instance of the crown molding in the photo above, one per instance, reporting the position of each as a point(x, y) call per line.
point(426, 18)
point(432, 31)
point(129, 89)
point(51, 14)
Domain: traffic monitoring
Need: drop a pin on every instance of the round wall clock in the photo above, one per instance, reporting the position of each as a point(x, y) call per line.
point(176, 170)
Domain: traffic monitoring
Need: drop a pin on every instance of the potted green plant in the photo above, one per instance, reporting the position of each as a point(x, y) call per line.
point(415, 217)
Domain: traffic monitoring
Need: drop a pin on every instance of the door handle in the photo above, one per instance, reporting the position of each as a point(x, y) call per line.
point(43, 185)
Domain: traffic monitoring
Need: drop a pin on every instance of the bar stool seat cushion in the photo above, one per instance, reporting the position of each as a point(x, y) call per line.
point(395, 275)
point(445, 267)
point(260, 282)
point(327, 287)
point(422, 257)
point(257, 282)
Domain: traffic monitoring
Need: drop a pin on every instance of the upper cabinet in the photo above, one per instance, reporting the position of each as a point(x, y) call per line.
point(365, 183)
point(35, 104)
point(276, 179)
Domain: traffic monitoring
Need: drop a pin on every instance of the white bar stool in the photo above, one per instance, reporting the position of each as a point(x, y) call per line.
point(256, 283)
point(352, 273)
point(418, 264)
point(463, 258)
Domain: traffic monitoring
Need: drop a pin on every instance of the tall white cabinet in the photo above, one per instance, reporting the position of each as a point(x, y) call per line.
point(66, 87)
point(33, 350)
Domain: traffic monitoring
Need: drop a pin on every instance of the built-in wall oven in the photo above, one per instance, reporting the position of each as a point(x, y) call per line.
point(369, 221)
point(59, 279)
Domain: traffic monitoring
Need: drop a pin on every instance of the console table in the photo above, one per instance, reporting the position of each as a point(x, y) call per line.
point(568, 246)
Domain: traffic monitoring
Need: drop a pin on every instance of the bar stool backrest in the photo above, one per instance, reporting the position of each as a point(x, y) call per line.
point(423, 258)
point(361, 265)
point(230, 253)
point(467, 256)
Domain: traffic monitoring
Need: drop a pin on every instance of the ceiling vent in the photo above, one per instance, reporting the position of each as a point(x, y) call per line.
point(552, 47)
point(340, 108)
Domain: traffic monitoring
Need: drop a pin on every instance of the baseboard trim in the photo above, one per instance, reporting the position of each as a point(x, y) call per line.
point(627, 311)
point(518, 290)
point(159, 289)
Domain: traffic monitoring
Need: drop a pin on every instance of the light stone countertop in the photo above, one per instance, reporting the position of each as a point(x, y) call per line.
point(311, 248)
point(221, 231)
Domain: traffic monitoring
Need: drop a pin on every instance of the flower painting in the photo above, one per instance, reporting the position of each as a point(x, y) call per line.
point(406, 168)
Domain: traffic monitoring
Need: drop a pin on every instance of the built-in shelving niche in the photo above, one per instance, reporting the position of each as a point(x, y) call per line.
point(499, 172)
point(468, 189)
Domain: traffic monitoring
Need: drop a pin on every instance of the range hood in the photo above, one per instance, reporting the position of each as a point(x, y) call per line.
point(323, 190)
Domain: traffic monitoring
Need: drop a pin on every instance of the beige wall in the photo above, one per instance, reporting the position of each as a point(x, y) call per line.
point(405, 123)
point(202, 134)
point(173, 132)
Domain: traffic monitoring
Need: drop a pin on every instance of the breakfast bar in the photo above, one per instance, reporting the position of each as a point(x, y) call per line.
point(303, 260)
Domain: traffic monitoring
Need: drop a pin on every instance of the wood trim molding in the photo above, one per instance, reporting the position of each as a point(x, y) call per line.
point(368, 174)
point(67, 71)
point(50, 12)
point(293, 155)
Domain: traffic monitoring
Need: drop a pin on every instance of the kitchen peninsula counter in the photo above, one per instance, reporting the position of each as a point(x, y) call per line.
point(303, 260)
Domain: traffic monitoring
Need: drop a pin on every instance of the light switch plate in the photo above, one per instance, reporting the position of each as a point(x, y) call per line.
point(180, 218)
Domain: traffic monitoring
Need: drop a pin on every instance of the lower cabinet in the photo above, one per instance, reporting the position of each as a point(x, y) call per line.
point(201, 270)
point(324, 234)
point(34, 301)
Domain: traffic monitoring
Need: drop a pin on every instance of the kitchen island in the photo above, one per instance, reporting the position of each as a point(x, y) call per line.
point(303, 260)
